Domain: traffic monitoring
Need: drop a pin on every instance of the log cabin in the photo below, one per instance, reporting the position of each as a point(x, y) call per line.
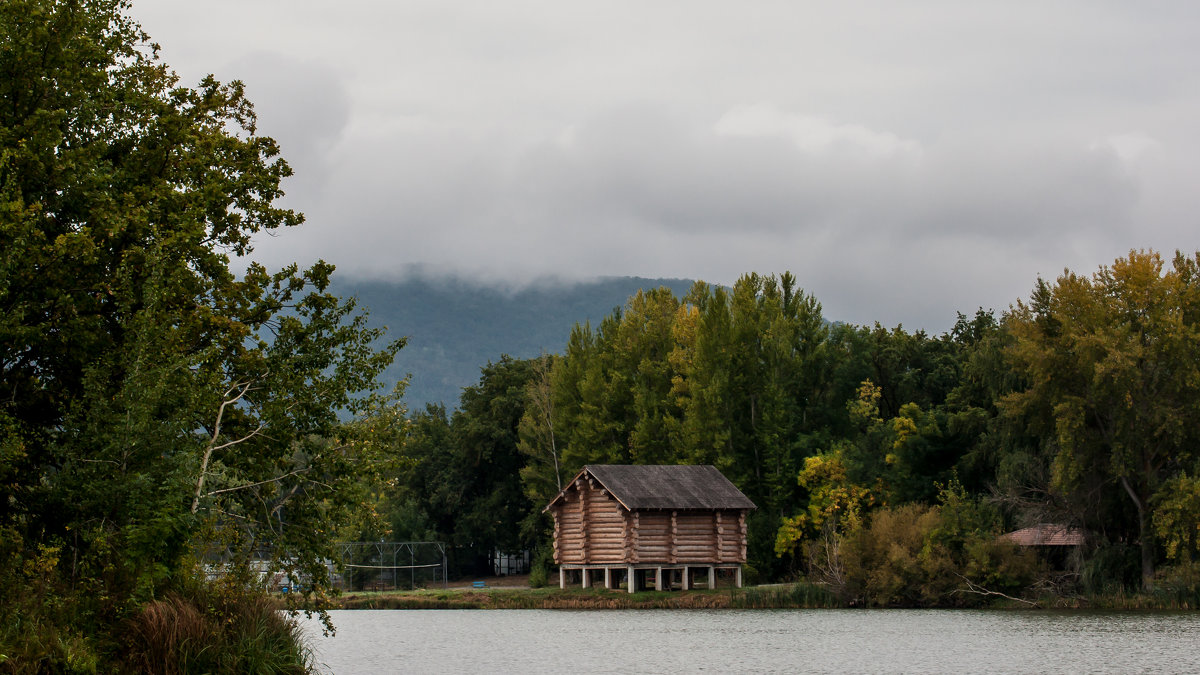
point(665, 523)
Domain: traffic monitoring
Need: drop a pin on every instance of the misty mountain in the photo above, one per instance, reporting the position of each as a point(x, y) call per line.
point(455, 326)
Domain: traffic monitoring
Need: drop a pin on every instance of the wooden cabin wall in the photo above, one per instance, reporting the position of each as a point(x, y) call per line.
point(731, 535)
point(605, 525)
point(593, 528)
point(589, 526)
point(653, 537)
point(689, 537)
point(695, 536)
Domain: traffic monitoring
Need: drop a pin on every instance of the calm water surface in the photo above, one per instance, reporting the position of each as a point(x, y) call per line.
point(757, 641)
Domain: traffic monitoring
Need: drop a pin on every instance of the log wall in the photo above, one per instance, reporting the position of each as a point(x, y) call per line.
point(590, 527)
point(613, 535)
point(593, 528)
point(690, 537)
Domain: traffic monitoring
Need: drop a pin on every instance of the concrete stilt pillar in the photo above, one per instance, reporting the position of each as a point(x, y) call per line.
point(658, 581)
point(686, 585)
point(587, 578)
point(712, 577)
point(608, 578)
point(739, 576)
point(562, 578)
point(631, 579)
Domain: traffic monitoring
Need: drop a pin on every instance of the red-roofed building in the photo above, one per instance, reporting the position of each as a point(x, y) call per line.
point(1046, 534)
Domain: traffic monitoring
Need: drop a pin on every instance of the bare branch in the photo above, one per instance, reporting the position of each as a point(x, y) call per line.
point(261, 482)
point(241, 389)
point(243, 439)
point(976, 589)
point(279, 505)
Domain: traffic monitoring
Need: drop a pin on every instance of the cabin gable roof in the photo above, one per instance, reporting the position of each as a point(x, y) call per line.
point(647, 487)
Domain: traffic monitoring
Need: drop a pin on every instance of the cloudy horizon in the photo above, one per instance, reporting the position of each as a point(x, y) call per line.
point(904, 161)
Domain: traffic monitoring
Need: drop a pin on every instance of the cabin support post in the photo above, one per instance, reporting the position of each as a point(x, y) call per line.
point(562, 577)
point(712, 577)
point(587, 577)
point(686, 585)
point(631, 579)
point(738, 574)
point(608, 578)
point(658, 584)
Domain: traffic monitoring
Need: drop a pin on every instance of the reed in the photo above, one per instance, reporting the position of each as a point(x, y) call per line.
point(800, 595)
point(33, 643)
point(216, 630)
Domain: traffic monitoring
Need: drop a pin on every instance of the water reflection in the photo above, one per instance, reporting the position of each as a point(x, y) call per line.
point(758, 641)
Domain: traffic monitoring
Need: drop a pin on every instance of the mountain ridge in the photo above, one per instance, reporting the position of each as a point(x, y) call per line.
point(456, 326)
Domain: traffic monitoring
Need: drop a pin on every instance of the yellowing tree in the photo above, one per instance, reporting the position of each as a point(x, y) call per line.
point(1111, 359)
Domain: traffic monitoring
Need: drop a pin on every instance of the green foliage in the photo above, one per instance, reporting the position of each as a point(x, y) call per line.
point(887, 562)
point(462, 481)
point(920, 556)
point(157, 403)
point(215, 628)
point(539, 432)
point(819, 424)
point(543, 560)
point(835, 503)
point(1112, 568)
point(1111, 369)
point(1177, 517)
point(1179, 584)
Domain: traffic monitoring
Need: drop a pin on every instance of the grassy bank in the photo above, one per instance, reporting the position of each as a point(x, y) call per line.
point(781, 596)
point(789, 596)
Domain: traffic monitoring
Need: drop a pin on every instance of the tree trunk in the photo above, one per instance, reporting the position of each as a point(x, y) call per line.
point(1145, 535)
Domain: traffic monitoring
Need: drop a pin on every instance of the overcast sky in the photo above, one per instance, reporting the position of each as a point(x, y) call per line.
point(905, 160)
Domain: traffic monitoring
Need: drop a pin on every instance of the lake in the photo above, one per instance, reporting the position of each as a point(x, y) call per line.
point(758, 641)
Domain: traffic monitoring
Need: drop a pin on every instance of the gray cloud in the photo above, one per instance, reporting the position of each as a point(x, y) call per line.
point(303, 105)
point(905, 160)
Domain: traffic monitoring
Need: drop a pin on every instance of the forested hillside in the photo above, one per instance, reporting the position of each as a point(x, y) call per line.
point(455, 326)
point(885, 464)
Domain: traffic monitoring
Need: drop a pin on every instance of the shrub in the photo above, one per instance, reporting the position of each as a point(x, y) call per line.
point(886, 562)
point(216, 628)
point(918, 556)
point(1111, 569)
point(539, 569)
point(1179, 585)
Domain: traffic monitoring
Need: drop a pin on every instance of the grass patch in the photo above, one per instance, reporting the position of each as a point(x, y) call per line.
point(785, 596)
point(800, 595)
point(216, 629)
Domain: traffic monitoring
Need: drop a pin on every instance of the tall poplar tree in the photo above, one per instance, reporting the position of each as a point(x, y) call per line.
point(1112, 359)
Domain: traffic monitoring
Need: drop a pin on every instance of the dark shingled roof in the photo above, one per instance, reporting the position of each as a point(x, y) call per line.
point(667, 486)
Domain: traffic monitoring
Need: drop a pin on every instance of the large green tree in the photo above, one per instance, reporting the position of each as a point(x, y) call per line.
point(465, 486)
point(1111, 364)
point(154, 398)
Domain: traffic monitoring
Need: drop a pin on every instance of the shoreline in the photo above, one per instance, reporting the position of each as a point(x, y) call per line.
point(781, 596)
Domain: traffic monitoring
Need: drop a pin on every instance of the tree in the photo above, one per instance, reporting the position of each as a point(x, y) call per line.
point(1110, 360)
point(153, 398)
point(542, 474)
point(485, 432)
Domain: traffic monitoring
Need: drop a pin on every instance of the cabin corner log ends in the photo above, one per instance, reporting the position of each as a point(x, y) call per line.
point(643, 522)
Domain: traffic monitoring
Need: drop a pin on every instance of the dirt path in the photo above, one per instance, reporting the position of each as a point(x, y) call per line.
point(510, 581)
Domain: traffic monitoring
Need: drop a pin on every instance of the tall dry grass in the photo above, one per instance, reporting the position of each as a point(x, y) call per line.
point(216, 630)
